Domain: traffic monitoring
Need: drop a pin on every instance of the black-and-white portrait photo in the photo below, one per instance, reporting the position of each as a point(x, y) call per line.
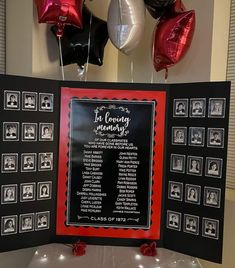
point(9, 163)
point(26, 222)
point(191, 224)
point(11, 100)
point(28, 162)
point(195, 165)
point(29, 131)
point(179, 135)
point(214, 167)
point(215, 137)
point(45, 161)
point(29, 101)
point(193, 194)
point(216, 107)
point(44, 190)
point(10, 131)
point(210, 228)
point(46, 102)
point(27, 192)
point(198, 107)
point(46, 131)
point(9, 194)
point(177, 163)
point(9, 225)
point(174, 220)
point(42, 220)
point(180, 108)
point(175, 190)
point(212, 197)
point(196, 136)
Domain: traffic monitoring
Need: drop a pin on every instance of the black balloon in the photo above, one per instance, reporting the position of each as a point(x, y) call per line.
point(157, 8)
point(75, 41)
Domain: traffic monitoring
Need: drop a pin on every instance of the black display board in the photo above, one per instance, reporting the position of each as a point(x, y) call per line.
point(195, 191)
point(23, 177)
point(194, 170)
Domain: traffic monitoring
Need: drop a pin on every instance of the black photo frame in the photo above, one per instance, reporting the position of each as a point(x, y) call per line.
point(194, 165)
point(175, 190)
point(29, 132)
point(11, 131)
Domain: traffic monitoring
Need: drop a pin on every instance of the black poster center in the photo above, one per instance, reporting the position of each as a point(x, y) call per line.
point(110, 163)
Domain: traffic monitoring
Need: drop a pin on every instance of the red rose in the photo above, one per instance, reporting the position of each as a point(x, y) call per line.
point(79, 249)
point(149, 249)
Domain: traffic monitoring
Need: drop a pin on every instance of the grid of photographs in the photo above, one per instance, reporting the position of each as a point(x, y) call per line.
point(20, 132)
point(197, 136)
point(23, 223)
point(28, 162)
point(30, 132)
point(27, 191)
point(192, 224)
point(191, 134)
point(28, 101)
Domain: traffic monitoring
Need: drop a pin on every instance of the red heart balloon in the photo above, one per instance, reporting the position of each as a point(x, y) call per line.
point(60, 12)
point(172, 39)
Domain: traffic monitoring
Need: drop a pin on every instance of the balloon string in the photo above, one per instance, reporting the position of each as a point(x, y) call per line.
point(89, 48)
point(166, 75)
point(152, 77)
point(61, 59)
point(132, 71)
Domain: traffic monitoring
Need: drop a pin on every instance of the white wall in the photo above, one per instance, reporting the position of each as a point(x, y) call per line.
point(195, 66)
point(33, 51)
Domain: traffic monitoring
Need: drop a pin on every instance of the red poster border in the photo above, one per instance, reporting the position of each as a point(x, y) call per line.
point(154, 231)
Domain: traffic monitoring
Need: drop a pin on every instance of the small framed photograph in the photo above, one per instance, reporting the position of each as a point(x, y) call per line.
point(180, 108)
point(46, 102)
point(28, 162)
point(174, 220)
point(216, 107)
point(196, 136)
point(29, 101)
point(9, 163)
point(27, 192)
point(9, 225)
point(29, 131)
point(44, 190)
point(11, 100)
point(210, 228)
point(193, 194)
point(46, 131)
point(9, 194)
point(179, 135)
point(10, 131)
point(195, 165)
point(212, 197)
point(215, 137)
point(45, 161)
point(214, 167)
point(177, 163)
point(198, 107)
point(42, 220)
point(26, 223)
point(175, 190)
point(191, 224)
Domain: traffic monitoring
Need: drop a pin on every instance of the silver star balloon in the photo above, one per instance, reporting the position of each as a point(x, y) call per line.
point(126, 21)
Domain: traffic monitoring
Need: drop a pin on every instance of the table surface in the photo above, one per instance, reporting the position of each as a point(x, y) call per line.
point(60, 256)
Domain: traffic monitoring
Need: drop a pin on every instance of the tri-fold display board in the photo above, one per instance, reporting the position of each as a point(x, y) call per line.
point(113, 163)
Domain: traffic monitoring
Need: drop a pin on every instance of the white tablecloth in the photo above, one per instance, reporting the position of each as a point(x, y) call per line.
point(60, 256)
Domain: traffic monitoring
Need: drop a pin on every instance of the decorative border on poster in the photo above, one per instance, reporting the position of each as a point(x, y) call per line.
point(159, 130)
point(153, 107)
